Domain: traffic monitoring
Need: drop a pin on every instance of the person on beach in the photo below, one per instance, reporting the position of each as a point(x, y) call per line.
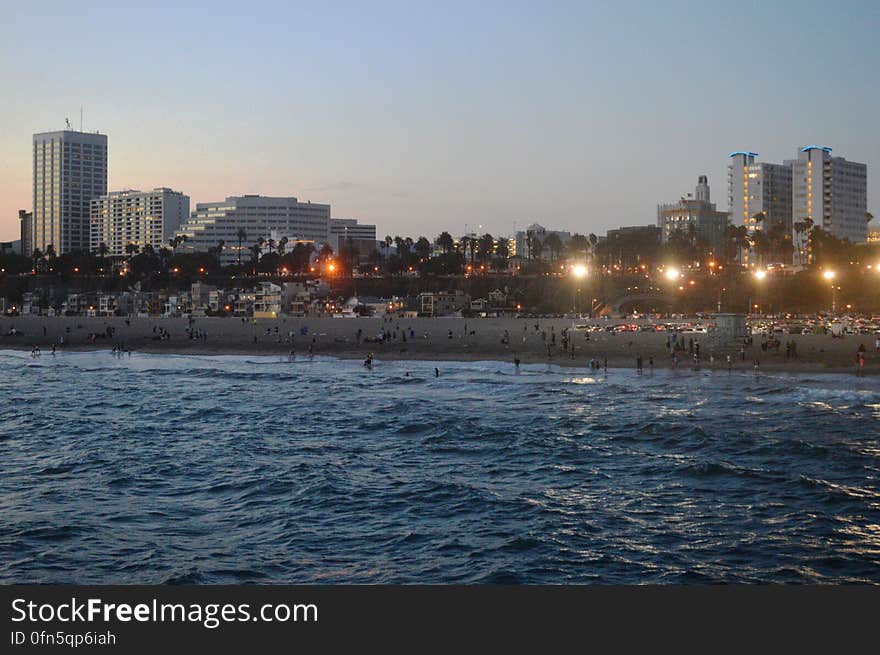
point(729, 363)
point(757, 366)
point(651, 364)
point(639, 363)
point(436, 372)
point(605, 364)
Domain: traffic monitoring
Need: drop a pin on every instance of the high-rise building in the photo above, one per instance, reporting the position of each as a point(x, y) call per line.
point(26, 226)
point(696, 210)
point(259, 217)
point(136, 217)
point(759, 193)
point(70, 168)
point(831, 192)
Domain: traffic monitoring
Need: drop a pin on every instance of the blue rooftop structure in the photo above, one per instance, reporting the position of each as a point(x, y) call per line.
point(743, 152)
point(806, 148)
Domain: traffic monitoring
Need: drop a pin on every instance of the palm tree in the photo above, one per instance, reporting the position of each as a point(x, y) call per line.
point(423, 248)
point(502, 253)
point(554, 245)
point(445, 241)
point(242, 237)
point(37, 257)
point(282, 246)
point(102, 252)
point(131, 249)
point(486, 246)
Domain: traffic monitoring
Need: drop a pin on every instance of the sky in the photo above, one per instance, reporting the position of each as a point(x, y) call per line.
point(429, 116)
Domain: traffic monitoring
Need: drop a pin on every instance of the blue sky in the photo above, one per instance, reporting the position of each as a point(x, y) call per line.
point(430, 116)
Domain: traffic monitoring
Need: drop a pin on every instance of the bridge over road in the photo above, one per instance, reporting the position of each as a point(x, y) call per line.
point(643, 302)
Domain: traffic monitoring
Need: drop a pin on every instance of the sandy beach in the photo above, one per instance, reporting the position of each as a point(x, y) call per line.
point(502, 339)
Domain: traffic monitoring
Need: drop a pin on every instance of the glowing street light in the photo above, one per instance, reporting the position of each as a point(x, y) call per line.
point(760, 275)
point(672, 273)
point(828, 275)
point(579, 270)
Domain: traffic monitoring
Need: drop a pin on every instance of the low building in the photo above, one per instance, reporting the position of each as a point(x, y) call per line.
point(342, 229)
point(443, 303)
point(874, 231)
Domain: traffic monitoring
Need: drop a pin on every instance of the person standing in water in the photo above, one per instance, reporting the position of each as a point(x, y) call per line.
point(436, 372)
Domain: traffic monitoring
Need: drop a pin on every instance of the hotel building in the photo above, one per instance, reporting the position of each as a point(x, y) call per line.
point(832, 192)
point(260, 216)
point(70, 169)
point(138, 217)
point(696, 210)
point(758, 188)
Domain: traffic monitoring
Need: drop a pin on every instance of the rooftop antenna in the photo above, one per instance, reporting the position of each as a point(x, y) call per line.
point(80, 118)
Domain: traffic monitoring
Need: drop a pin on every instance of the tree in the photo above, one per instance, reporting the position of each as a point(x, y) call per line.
point(131, 250)
point(423, 248)
point(554, 245)
point(536, 248)
point(578, 246)
point(102, 252)
point(445, 241)
point(502, 254)
point(241, 233)
point(486, 247)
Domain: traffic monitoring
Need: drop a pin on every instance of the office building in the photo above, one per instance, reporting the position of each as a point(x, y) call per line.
point(695, 210)
point(342, 229)
point(831, 192)
point(141, 218)
point(259, 217)
point(70, 169)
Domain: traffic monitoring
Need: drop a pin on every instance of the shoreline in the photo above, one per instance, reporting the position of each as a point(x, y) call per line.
point(792, 368)
point(532, 341)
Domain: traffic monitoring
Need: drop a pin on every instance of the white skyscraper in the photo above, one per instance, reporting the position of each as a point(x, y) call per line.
point(137, 217)
point(831, 192)
point(758, 188)
point(70, 169)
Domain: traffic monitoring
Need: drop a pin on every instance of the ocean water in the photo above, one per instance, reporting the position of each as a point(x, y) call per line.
point(231, 469)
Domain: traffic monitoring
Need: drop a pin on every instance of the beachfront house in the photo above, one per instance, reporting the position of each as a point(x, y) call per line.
point(267, 301)
point(443, 303)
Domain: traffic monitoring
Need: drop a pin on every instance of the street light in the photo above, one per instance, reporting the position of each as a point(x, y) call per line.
point(760, 275)
point(579, 272)
point(672, 273)
point(830, 275)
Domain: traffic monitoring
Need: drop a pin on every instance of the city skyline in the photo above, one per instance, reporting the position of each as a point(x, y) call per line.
point(527, 115)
